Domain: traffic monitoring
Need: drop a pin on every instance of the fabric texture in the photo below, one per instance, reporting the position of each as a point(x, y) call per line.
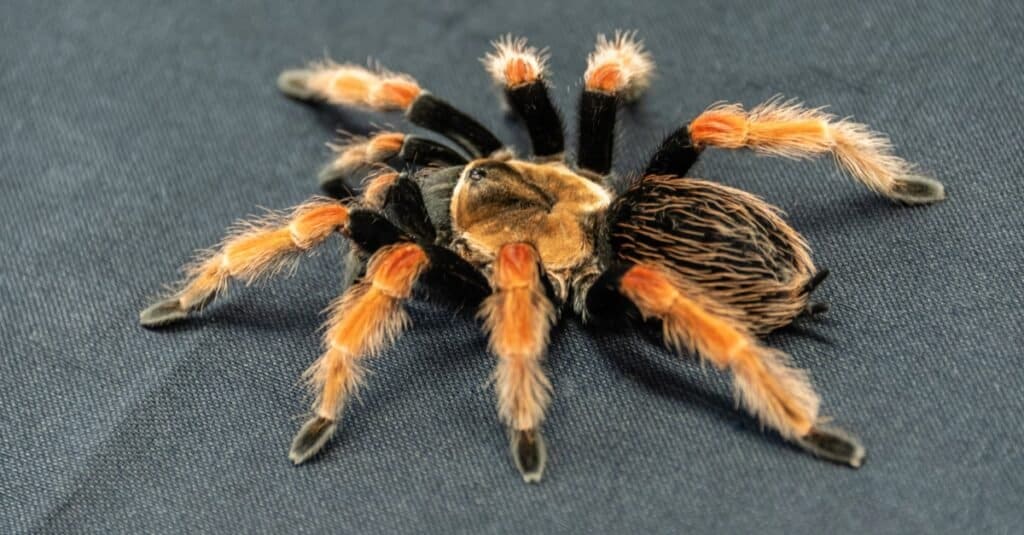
point(134, 133)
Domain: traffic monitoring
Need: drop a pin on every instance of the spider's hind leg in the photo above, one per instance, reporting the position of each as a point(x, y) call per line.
point(778, 394)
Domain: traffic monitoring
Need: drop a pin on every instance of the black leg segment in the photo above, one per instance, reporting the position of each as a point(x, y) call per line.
point(675, 156)
point(533, 104)
point(597, 113)
point(422, 151)
point(435, 114)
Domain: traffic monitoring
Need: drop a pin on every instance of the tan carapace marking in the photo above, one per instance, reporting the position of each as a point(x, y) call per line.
point(553, 221)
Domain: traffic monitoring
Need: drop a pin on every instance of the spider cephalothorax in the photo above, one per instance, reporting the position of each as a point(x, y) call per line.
point(523, 240)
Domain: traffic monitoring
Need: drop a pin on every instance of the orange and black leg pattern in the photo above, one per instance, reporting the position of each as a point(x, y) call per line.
point(618, 70)
point(256, 248)
point(518, 318)
point(779, 395)
point(352, 85)
point(520, 71)
point(787, 129)
point(366, 319)
point(358, 159)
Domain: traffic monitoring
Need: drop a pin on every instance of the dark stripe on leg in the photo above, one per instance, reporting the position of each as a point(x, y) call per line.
point(422, 151)
point(431, 112)
point(533, 104)
point(675, 156)
point(597, 131)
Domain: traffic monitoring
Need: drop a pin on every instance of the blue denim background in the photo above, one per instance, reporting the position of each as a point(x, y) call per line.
point(135, 132)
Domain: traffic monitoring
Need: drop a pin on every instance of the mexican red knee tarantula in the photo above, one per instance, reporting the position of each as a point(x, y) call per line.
point(521, 240)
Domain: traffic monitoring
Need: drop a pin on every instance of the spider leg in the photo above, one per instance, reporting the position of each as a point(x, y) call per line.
point(787, 129)
point(779, 395)
point(257, 248)
point(352, 85)
point(520, 70)
point(358, 157)
point(618, 70)
point(518, 318)
point(366, 319)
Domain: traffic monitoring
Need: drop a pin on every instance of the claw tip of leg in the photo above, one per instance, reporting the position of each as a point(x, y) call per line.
point(162, 313)
point(918, 190)
point(834, 445)
point(311, 439)
point(530, 454)
point(293, 82)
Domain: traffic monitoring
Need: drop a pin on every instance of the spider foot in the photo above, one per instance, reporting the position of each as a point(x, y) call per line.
point(917, 190)
point(530, 454)
point(311, 438)
point(293, 82)
point(162, 313)
point(833, 445)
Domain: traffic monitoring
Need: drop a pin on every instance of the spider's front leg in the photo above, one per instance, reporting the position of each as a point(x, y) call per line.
point(518, 317)
point(258, 248)
point(618, 71)
point(520, 70)
point(366, 319)
point(780, 395)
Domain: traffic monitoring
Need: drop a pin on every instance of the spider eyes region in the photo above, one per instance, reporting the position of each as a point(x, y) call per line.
point(477, 174)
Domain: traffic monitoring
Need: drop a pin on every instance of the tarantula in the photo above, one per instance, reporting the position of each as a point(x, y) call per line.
point(523, 239)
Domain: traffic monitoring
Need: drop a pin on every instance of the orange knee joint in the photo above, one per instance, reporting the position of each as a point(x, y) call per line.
point(516, 266)
point(312, 225)
point(395, 272)
point(726, 128)
point(648, 287)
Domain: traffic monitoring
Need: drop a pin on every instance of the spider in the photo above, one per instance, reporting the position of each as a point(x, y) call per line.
point(524, 240)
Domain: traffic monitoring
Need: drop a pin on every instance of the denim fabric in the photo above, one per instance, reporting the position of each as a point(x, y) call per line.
point(135, 132)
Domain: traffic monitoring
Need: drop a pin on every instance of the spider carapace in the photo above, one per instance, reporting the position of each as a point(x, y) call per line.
point(523, 241)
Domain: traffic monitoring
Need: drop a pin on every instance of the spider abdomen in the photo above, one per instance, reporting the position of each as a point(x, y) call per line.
point(731, 245)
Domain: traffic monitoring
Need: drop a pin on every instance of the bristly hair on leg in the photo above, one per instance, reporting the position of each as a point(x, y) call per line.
point(356, 152)
point(788, 129)
point(620, 66)
point(352, 85)
point(514, 63)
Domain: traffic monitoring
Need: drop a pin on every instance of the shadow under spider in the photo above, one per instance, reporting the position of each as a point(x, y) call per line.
point(670, 381)
point(334, 119)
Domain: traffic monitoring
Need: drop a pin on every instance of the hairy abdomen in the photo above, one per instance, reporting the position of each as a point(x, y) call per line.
point(732, 245)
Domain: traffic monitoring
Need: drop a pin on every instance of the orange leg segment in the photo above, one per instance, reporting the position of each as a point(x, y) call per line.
point(518, 318)
point(257, 248)
point(787, 129)
point(778, 394)
point(367, 318)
